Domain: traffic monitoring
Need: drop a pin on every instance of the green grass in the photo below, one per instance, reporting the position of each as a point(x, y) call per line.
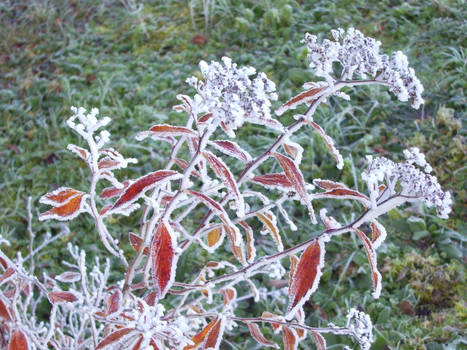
point(132, 61)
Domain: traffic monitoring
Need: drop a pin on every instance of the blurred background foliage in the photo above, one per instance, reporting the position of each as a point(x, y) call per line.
point(131, 58)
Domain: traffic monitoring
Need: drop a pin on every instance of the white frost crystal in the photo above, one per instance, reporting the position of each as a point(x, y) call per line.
point(359, 56)
point(232, 96)
point(360, 323)
point(416, 184)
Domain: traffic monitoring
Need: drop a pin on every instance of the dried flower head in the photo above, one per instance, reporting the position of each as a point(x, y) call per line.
point(415, 184)
point(359, 56)
point(362, 327)
point(233, 97)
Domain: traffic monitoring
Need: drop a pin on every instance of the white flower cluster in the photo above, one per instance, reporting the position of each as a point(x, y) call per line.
point(88, 124)
point(360, 323)
point(232, 97)
point(415, 183)
point(359, 55)
point(149, 321)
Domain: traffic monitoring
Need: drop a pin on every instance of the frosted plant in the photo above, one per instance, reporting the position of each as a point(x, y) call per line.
point(149, 307)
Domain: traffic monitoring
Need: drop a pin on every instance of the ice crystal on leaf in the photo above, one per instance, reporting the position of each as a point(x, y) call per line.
point(233, 97)
point(416, 184)
point(359, 56)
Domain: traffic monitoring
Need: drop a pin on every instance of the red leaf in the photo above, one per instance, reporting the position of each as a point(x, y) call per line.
point(60, 196)
point(18, 341)
point(165, 130)
point(69, 277)
point(330, 143)
point(112, 302)
point(182, 163)
point(198, 338)
point(304, 97)
point(294, 150)
point(109, 163)
point(372, 259)
point(289, 337)
point(71, 209)
point(232, 149)
point(273, 180)
point(163, 259)
point(227, 178)
point(305, 280)
point(136, 242)
point(113, 337)
point(345, 193)
point(209, 202)
point(8, 272)
point(319, 340)
point(62, 297)
point(214, 336)
point(204, 118)
point(295, 176)
point(328, 184)
point(259, 337)
point(139, 186)
point(80, 152)
point(4, 313)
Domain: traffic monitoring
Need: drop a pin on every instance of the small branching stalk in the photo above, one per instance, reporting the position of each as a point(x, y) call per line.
point(89, 312)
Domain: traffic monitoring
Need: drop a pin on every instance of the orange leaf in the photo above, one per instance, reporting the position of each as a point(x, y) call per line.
point(236, 242)
point(71, 209)
point(109, 163)
point(259, 337)
point(60, 196)
point(269, 221)
point(113, 337)
point(80, 152)
point(379, 234)
point(163, 259)
point(214, 336)
point(139, 186)
point(229, 294)
point(223, 172)
point(305, 280)
point(372, 259)
point(304, 97)
point(214, 236)
point(231, 149)
point(18, 341)
point(289, 337)
point(293, 265)
point(319, 340)
point(295, 176)
point(138, 343)
point(62, 297)
point(273, 180)
point(198, 338)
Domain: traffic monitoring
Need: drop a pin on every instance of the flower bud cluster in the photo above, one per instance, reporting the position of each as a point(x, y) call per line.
point(88, 124)
point(360, 324)
point(415, 183)
point(232, 96)
point(359, 56)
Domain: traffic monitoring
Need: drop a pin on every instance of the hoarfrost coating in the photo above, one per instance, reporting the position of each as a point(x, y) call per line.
point(232, 96)
point(359, 56)
point(415, 184)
